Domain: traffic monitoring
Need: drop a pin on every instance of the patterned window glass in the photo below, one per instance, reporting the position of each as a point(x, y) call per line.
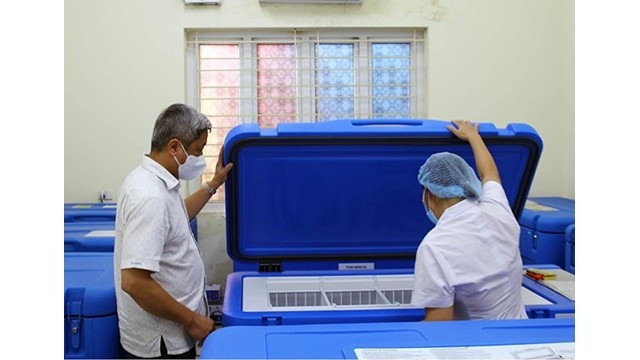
point(219, 89)
point(334, 81)
point(276, 84)
point(292, 75)
point(391, 80)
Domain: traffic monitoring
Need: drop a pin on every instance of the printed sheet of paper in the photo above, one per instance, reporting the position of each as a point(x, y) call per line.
point(566, 288)
point(564, 283)
point(101, 233)
point(525, 351)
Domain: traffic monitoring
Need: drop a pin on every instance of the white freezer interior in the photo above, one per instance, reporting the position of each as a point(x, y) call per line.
point(331, 293)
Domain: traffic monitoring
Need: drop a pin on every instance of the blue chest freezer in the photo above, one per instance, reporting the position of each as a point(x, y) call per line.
point(96, 240)
point(88, 236)
point(570, 249)
point(479, 339)
point(91, 212)
point(90, 315)
point(543, 224)
point(97, 216)
point(324, 219)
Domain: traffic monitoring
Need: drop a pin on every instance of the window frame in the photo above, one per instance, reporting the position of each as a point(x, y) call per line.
point(303, 39)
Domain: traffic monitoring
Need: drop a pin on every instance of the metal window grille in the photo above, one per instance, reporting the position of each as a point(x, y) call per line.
point(271, 77)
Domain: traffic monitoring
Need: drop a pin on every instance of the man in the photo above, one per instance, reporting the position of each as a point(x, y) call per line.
point(158, 268)
point(469, 265)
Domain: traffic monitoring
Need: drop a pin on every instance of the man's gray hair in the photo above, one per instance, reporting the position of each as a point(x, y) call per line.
point(178, 121)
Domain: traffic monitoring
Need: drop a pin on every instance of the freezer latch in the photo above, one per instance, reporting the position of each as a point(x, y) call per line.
point(74, 308)
point(270, 267)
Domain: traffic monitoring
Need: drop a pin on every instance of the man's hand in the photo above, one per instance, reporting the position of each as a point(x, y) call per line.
point(199, 327)
point(221, 171)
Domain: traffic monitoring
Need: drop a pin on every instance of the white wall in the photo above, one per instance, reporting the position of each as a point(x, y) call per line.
point(499, 61)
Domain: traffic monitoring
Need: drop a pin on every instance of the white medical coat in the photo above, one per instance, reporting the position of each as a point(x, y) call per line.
point(471, 260)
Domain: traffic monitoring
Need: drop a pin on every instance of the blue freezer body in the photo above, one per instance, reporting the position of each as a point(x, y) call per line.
point(85, 242)
point(90, 315)
point(331, 341)
point(86, 227)
point(233, 313)
point(543, 224)
point(342, 197)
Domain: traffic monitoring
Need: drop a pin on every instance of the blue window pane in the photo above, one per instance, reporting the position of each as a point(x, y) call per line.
point(335, 81)
point(391, 80)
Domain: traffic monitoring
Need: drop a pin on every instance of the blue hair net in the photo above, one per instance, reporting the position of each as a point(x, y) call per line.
point(447, 175)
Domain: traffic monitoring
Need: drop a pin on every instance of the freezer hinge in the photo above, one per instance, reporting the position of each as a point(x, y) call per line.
point(272, 320)
point(270, 267)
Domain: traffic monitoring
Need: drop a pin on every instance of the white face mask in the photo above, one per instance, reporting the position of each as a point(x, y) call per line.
point(430, 213)
point(192, 167)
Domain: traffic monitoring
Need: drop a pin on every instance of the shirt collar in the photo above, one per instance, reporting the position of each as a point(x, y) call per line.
point(459, 208)
point(155, 168)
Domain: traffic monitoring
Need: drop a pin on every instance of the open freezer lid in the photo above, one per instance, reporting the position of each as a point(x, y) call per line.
point(325, 193)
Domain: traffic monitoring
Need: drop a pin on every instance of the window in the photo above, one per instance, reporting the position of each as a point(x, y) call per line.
point(271, 77)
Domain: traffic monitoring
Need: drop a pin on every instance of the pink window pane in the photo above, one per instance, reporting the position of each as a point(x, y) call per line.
point(211, 151)
point(216, 137)
point(219, 100)
point(219, 82)
point(276, 84)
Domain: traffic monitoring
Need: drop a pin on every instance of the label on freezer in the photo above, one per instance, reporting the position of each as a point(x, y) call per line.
point(356, 266)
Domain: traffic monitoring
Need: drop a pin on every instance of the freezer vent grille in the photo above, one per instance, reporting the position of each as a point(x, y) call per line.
point(339, 298)
point(350, 298)
point(296, 298)
point(317, 293)
point(398, 296)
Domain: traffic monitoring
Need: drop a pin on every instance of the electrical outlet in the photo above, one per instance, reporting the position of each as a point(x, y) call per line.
point(105, 195)
point(215, 312)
